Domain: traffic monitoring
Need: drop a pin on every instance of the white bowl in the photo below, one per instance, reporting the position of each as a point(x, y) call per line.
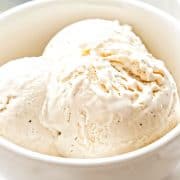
point(25, 31)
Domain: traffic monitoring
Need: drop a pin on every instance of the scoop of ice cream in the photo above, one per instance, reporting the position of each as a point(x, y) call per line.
point(83, 36)
point(108, 95)
point(101, 108)
point(22, 92)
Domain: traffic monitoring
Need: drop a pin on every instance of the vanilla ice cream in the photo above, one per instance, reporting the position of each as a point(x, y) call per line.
point(108, 95)
point(95, 92)
point(22, 92)
point(93, 34)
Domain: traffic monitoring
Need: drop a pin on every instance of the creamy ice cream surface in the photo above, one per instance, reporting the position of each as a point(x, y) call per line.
point(22, 92)
point(108, 95)
point(79, 38)
point(95, 92)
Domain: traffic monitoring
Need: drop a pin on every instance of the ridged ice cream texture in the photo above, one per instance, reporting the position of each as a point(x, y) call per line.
point(109, 95)
point(96, 92)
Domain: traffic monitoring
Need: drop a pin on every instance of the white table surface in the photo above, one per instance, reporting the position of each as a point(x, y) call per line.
point(171, 6)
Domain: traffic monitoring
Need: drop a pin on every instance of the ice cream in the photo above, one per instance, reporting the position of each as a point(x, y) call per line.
point(108, 94)
point(95, 92)
point(79, 38)
point(22, 91)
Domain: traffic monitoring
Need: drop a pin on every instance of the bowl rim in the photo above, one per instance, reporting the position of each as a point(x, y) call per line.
point(11, 147)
